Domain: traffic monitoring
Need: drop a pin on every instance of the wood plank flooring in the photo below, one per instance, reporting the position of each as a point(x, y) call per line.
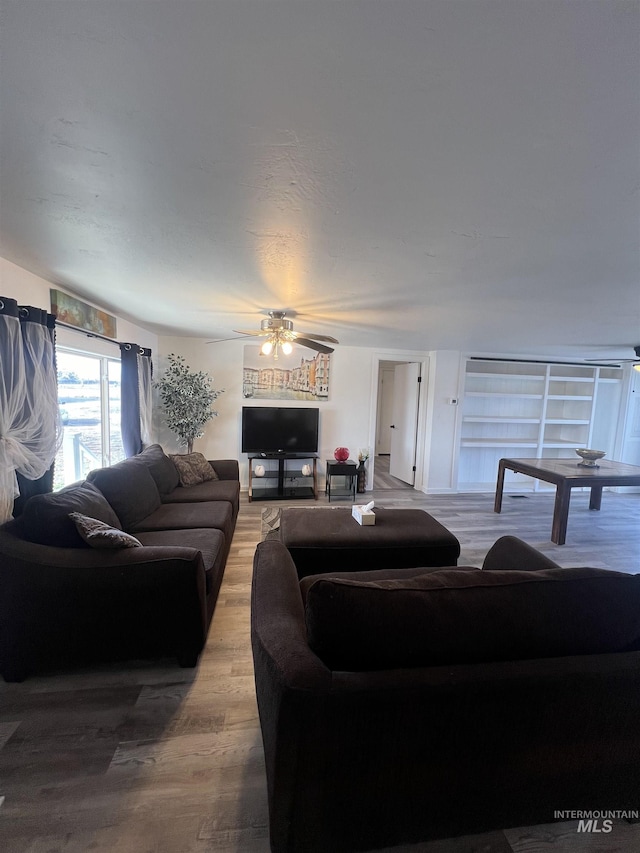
point(151, 758)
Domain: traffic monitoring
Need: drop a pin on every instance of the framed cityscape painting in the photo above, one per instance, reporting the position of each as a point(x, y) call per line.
point(299, 376)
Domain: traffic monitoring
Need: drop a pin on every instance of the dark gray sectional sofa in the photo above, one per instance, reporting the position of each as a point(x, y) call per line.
point(406, 705)
point(63, 602)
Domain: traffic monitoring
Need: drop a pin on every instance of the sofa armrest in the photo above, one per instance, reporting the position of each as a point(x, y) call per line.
point(76, 604)
point(226, 469)
point(292, 684)
point(278, 631)
point(32, 556)
point(509, 552)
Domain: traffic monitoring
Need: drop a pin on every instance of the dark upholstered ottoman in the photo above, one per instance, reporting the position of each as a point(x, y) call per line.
point(330, 540)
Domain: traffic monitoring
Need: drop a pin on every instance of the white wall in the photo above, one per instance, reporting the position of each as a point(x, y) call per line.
point(29, 289)
point(441, 442)
point(347, 418)
point(19, 284)
point(344, 417)
point(631, 432)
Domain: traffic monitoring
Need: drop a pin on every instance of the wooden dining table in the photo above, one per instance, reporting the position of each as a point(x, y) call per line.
point(567, 474)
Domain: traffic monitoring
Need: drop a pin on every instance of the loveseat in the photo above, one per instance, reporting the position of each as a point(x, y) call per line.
point(415, 704)
point(65, 601)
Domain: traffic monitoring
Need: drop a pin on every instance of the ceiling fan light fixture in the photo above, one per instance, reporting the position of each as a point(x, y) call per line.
point(636, 367)
point(279, 335)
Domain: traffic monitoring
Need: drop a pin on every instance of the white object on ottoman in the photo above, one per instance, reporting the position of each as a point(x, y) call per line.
point(364, 514)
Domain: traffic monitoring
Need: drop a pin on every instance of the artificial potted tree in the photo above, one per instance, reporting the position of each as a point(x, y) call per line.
point(186, 399)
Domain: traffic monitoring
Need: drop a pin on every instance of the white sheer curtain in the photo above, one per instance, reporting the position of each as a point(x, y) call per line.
point(145, 385)
point(30, 430)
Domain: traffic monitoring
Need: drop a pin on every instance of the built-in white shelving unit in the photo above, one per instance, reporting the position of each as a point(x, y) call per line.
point(522, 409)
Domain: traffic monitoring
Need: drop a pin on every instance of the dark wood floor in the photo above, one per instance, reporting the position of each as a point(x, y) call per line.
point(151, 758)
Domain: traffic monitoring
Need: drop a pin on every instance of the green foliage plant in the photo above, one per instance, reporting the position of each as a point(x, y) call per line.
point(186, 399)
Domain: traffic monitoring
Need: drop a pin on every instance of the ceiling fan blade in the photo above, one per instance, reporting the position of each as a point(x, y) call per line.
point(315, 337)
point(635, 360)
point(306, 342)
point(260, 333)
point(222, 340)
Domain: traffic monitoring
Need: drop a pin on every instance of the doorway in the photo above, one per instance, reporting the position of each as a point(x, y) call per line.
point(399, 408)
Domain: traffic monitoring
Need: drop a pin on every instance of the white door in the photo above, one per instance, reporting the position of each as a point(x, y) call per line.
point(406, 392)
point(385, 411)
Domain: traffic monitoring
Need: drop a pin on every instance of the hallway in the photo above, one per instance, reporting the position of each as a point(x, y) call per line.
point(382, 479)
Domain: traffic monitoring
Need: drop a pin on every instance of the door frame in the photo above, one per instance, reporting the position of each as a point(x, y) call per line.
point(421, 426)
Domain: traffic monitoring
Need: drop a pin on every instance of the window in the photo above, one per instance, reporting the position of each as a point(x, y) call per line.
point(89, 400)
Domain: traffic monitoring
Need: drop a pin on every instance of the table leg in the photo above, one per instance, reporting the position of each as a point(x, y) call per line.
point(497, 506)
point(596, 497)
point(560, 514)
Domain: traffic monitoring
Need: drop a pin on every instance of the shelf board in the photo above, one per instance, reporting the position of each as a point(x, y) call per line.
point(498, 442)
point(568, 421)
point(508, 394)
point(272, 494)
point(581, 397)
point(490, 419)
point(571, 379)
point(562, 444)
point(515, 376)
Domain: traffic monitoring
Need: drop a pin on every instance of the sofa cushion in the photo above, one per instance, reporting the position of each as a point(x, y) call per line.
point(186, 516)
point(99, 535)
point(129, 488)
point(210, 543)
point(46, 521)
point(210, 490)
point(379, 575)
point(451, 617)
point(161, 468)
point(193, 468)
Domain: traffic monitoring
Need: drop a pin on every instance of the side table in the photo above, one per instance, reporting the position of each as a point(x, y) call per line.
point(349, 471)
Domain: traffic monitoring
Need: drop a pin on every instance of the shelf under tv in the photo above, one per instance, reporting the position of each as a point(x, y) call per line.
point(291, 482)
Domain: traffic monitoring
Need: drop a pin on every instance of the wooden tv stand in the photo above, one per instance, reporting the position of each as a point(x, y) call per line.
point(284, 481)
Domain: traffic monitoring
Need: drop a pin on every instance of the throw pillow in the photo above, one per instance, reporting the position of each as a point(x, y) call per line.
point(100, 535)
point(193, 468)
point(160, 467)
point(46, 517)
point(129, 488)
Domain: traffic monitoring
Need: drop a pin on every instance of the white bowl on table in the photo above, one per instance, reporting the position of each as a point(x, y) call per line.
point(589, 457)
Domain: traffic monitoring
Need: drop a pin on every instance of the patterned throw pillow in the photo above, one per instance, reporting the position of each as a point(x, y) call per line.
point(100, 535)
point(193, 468)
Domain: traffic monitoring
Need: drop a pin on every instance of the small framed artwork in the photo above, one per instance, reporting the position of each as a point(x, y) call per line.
point(76, 313)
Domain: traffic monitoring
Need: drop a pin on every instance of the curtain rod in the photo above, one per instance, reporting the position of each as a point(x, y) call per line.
point(95, 335)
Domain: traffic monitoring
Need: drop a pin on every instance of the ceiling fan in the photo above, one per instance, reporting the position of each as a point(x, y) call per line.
point(633, 361)
point(279, 334)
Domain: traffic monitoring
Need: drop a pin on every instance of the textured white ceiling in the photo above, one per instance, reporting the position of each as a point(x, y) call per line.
point(460, 174)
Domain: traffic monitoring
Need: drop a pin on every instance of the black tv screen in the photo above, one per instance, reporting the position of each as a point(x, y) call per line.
point(276, 430)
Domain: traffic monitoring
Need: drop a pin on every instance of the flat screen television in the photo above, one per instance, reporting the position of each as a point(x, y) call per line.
point(274, 430)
